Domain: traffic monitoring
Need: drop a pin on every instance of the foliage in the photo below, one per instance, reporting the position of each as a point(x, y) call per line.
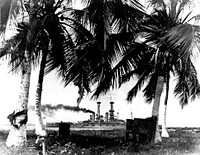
point(9, 10)
point(164, 45)
point(174, 41)
point(51, 35)
point(14, 49)
point(101, 44)
point(187, 143)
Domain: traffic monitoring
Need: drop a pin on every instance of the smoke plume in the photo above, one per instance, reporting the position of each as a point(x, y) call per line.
point(47, 107)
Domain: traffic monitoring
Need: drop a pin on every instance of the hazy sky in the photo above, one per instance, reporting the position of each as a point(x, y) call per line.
point(54, 93)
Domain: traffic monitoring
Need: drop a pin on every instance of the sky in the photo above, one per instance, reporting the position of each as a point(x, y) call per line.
point(54, 93)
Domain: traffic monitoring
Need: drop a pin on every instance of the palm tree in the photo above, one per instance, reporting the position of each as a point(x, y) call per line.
point(108, 25)
point(18, 119)
point(21, 61)
point(170, 52)
point(164, 45)
point(50, 41)
point(57, 48)
point(183, 44)
point(54, 42)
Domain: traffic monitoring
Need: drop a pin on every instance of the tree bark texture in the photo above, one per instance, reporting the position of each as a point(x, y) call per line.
point(17, 136)
point(164, 127)
point(156, 106)
point(39, 125)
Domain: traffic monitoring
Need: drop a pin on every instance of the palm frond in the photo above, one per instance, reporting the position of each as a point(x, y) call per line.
point(14, 48)
point(9, 9)
point(181, 42)
point(174, 40)
point(187, 86)
point(5, 6)
point(193, 82)
point(125, 17)
point(104, 84)
point(186, 18)
point(149, 90)
point(108, 47)
point(123, 69)
point(140, 82)
point(182, 91)
point(156, 3)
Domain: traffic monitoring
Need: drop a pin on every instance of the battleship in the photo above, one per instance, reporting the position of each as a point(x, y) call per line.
point(96, 121)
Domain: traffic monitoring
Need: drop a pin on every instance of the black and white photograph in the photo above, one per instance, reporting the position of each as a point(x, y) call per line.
point(100, 77)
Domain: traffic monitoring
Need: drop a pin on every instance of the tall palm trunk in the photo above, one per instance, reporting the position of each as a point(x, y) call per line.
point(164, 127)
point(156, 106)
point(39, 126)
point(17, 135)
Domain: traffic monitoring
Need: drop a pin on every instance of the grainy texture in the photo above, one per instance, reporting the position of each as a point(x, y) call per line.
point(181, 142)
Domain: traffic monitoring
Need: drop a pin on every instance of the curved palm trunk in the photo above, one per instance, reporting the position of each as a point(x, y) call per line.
point(156, 106)
point(17, 135)
point(164, 127)
point(39, 126)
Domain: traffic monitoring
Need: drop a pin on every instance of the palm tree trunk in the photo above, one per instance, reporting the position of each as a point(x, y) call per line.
point(156, 106)
point(17, 136)
point(164, 127)
point(39, 126)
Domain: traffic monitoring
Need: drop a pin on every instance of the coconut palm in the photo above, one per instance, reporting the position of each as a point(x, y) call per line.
point(22, 61)
point(54, 42)
point(108, 25)
point(50, 41)
point(166, 47)
point(184, 45)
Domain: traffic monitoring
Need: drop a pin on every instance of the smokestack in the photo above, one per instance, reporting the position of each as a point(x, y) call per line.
point(93, 118)
point(111, 112)
point(118, 115)
point(106, 117)
point(131, 115)
point(98, 110)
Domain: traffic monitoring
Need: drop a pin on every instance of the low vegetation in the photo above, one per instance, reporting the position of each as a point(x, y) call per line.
point(183, 141)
